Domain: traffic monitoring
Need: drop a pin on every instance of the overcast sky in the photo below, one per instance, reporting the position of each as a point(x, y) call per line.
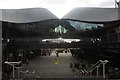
point(57, 7)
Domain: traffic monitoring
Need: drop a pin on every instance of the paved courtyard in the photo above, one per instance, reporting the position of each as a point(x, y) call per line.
point(45, 67)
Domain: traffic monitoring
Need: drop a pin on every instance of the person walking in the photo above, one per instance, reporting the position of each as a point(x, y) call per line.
point(57, 54)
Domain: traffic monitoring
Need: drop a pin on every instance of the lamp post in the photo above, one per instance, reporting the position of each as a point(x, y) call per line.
point(117, 5)
point(119, 10)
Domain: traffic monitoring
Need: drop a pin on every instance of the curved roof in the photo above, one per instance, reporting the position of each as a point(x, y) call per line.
point(25, 15)
point(93, 14)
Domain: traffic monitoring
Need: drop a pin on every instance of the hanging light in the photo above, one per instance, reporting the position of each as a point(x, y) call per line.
point(8, 40)
point(2, 39)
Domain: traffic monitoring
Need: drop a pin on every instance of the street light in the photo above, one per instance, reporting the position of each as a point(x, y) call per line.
point(117, 3)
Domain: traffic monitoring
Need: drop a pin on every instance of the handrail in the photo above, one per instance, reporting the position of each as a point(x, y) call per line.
point(97, 65)
point(91, 68)
point(94, 66)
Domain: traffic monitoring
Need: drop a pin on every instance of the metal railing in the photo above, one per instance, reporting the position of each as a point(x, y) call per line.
point(96, 66)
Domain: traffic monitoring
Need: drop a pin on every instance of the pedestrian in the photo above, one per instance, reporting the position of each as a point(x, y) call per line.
point(72, 67)
point(57, 54)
